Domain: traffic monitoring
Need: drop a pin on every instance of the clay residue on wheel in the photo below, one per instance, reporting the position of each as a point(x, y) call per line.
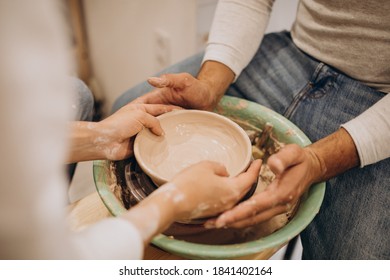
point(264, 144)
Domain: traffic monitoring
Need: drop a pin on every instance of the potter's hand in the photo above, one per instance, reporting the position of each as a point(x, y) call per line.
point(201, 190)
point(205, 189)
point(179, 89)
point(203, 92)
point(128, 121)
point(112, 138)
point(295, 169)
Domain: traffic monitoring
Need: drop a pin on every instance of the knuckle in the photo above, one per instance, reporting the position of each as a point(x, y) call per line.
point(186, 75)
point(286, 199)
point(296, 149)
point(139, 114)
point(140, 107)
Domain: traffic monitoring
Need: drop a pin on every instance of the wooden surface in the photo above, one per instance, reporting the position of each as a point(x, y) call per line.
point(91, 209)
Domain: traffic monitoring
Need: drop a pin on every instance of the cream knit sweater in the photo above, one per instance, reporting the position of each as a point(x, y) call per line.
point(352, 36)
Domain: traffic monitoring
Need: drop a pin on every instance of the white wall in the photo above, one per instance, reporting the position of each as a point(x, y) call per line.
point(124, 37)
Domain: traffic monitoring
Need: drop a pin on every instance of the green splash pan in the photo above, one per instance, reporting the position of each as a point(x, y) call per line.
point(253, 115)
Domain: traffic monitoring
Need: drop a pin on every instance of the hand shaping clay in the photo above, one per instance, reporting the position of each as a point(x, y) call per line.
point(192, 136)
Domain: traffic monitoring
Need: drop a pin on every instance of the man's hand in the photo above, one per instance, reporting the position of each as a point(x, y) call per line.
point(296, 169)
point(203, 92)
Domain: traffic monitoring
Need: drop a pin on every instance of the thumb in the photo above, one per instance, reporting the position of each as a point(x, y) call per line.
point(153, 124)
point(217, 168)
point(178, 81)
point(246, 179)
point(288, 156)
point(220, 170)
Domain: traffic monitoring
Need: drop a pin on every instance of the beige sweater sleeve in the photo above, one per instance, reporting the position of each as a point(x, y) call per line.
point(371, 132)
point(236, 32)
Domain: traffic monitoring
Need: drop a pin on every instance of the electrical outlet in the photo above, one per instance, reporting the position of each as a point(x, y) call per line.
point(162, 49)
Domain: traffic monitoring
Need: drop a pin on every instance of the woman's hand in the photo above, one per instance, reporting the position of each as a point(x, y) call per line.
point(201, 190)
point(205, 189)
point(120, 127)
point(112, 138)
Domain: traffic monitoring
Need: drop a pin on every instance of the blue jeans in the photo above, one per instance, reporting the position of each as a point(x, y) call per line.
point(354, 219)
point(83, 102)
point(82, 107)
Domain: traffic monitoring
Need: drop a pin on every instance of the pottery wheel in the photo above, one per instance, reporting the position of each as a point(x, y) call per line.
point(139, 184)
point(136, 185)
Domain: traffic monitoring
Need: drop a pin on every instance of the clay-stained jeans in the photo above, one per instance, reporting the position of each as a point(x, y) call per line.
point(354, 220)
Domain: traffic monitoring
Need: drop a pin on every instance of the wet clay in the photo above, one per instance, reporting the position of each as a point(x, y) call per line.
point(137, 185)
point(191, 136)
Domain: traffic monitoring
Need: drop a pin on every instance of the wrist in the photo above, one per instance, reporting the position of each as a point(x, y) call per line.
point(101, 141)
point(155, 213)
point(334, 155)
point(171, 198)
point(217, 77)
point(107, 142)
point(318, 167)
point(82, 142)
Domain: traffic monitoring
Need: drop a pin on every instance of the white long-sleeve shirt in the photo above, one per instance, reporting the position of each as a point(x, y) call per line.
point(35, 106)
point(361, 50)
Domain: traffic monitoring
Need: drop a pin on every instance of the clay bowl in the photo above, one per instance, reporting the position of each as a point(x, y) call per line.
point(190, 137)
point(247, 115)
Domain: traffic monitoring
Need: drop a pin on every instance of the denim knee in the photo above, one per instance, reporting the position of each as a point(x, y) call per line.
point(83, 104)
point(189, 65)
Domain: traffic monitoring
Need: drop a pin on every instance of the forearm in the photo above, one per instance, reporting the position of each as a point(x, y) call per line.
point(87, 142)
point(154, 214)
point(218, 77)
point(360, 142)
point(237, 30)
point(333, 155)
